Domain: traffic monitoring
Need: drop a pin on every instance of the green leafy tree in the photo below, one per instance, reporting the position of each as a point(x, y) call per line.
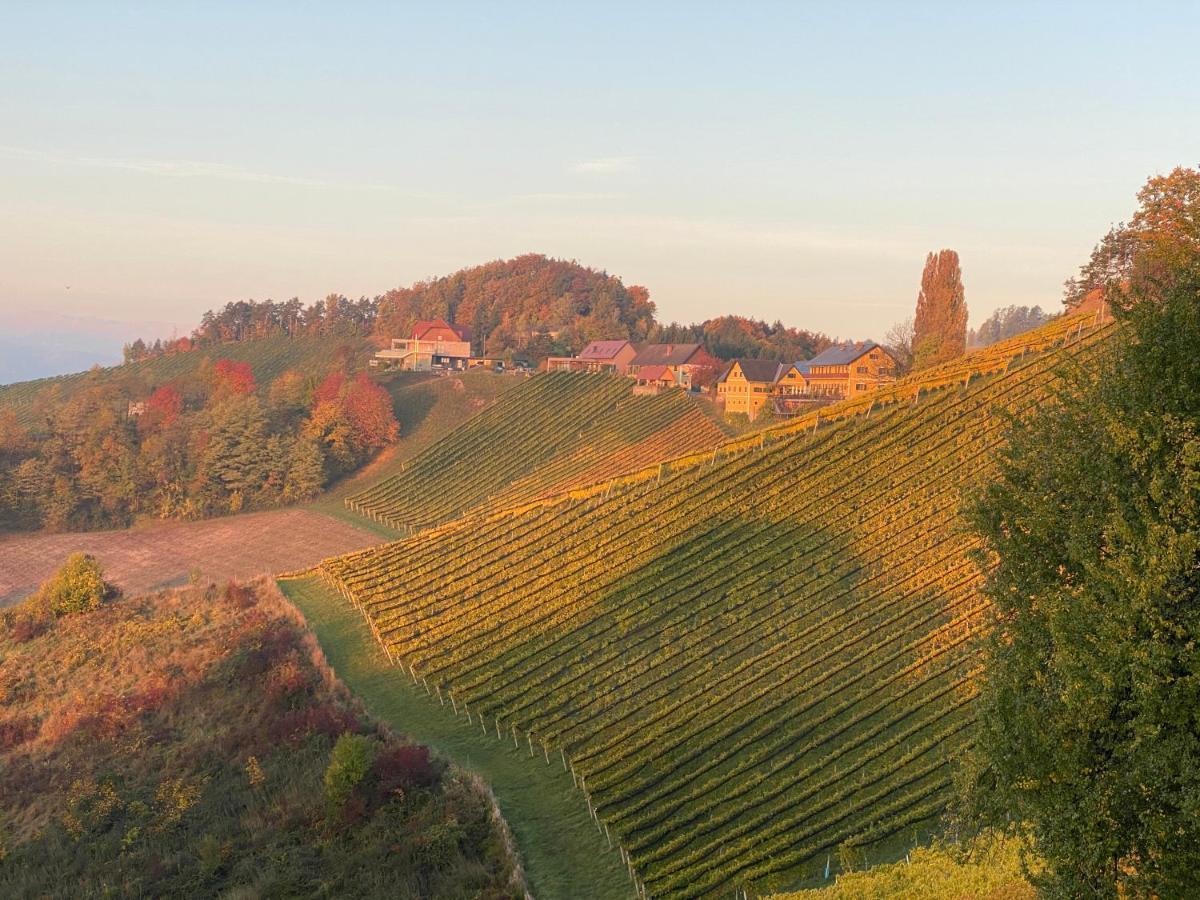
point(233, 461)
point(349, 763)
point(1089, 714)
point(306, 471)
point(77, 587)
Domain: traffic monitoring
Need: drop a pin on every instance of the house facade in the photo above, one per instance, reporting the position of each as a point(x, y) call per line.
point(434, 345)
point(683, 361)
point(850, 370)
point(747, 384)
point(654, 379)
point(598, 357)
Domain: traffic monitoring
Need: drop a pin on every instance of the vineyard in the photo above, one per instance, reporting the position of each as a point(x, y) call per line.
point(747, 658)
point(268, 358)
point(553, 432)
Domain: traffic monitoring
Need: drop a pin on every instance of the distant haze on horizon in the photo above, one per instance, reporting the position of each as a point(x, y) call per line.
point(769, 160)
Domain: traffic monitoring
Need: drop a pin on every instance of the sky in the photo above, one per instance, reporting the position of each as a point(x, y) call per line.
point(787, 161)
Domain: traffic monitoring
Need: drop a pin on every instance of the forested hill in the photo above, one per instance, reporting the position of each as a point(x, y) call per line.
point(528, 308)
point(531, 303)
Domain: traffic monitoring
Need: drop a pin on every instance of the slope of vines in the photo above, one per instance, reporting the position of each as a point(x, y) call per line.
point(268, 358)
point(555, 431)
point(745, 663)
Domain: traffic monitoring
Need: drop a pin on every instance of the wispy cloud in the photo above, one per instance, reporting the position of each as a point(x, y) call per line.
point(603, 165)
point(186, 169)
point(569, 197)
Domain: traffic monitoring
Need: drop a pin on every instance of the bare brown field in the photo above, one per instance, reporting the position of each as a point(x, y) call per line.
point(165, 554)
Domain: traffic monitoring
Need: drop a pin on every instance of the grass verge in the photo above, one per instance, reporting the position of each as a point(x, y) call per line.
point(563, 854)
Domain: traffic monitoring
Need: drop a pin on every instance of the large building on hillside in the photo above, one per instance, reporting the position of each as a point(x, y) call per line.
point(850, 370)
point(683, 361)
point(434, 344)
point(747, 384)
point(607, 357)
point(846, 370)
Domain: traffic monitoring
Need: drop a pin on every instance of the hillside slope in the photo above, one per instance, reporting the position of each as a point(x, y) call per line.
point(551, 433)
point(176, 746)
point(747, 657)
point(268, 358)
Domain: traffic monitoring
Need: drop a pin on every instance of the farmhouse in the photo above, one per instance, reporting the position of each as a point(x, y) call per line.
point(434, 344)
point(684, 361)
point(652, 379)
point(849, 370)
point(747, 384)
point(607, 357)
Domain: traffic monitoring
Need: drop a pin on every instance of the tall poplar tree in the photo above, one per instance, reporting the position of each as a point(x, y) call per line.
point(940, 326)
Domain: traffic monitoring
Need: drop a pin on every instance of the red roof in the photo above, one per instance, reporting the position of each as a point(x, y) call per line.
point(439, 330)
point(655, 373)
point(602, 349)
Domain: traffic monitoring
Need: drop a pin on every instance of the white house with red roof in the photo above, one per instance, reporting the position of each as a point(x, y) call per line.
point(435, 344)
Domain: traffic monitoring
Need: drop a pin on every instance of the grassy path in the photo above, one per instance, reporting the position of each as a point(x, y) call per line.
point(564, 855)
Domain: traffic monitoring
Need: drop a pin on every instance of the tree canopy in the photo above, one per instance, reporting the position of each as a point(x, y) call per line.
point(1089, 715)
point(1161, 240)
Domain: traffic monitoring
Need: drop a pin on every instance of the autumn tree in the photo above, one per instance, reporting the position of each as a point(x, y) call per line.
point(233, 378)
point(351, 419)
point(940, 325)
point(1160, 243)
point(163, 408)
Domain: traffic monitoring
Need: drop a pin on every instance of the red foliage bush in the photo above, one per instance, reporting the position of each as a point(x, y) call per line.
point(286, 680)
point(233, 377)
point(330, 388)
point(405, 765)
point(368, 409)
point(163, 407)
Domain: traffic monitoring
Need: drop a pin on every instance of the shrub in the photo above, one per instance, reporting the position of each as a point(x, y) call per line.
point(239, 596)
point(349, 763)
point(405, 766)
point(77, 587)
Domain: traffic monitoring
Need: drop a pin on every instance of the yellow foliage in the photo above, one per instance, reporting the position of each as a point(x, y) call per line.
point(989, 870)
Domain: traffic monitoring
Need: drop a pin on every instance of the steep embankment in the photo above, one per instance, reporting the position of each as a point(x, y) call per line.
point(176, 745)
point(747, 657)
point(268, 358)
point(553, 432)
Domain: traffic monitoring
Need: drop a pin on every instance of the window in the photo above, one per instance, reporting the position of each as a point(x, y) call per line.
point(862, 370)
point(860, 387)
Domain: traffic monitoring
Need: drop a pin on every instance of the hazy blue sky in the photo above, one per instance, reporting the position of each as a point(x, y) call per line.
point(785, 161)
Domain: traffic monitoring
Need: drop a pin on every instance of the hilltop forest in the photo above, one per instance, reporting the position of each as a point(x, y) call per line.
point(526, 308)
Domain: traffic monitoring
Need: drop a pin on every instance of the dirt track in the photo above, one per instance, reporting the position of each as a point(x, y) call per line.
point(163, 555)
